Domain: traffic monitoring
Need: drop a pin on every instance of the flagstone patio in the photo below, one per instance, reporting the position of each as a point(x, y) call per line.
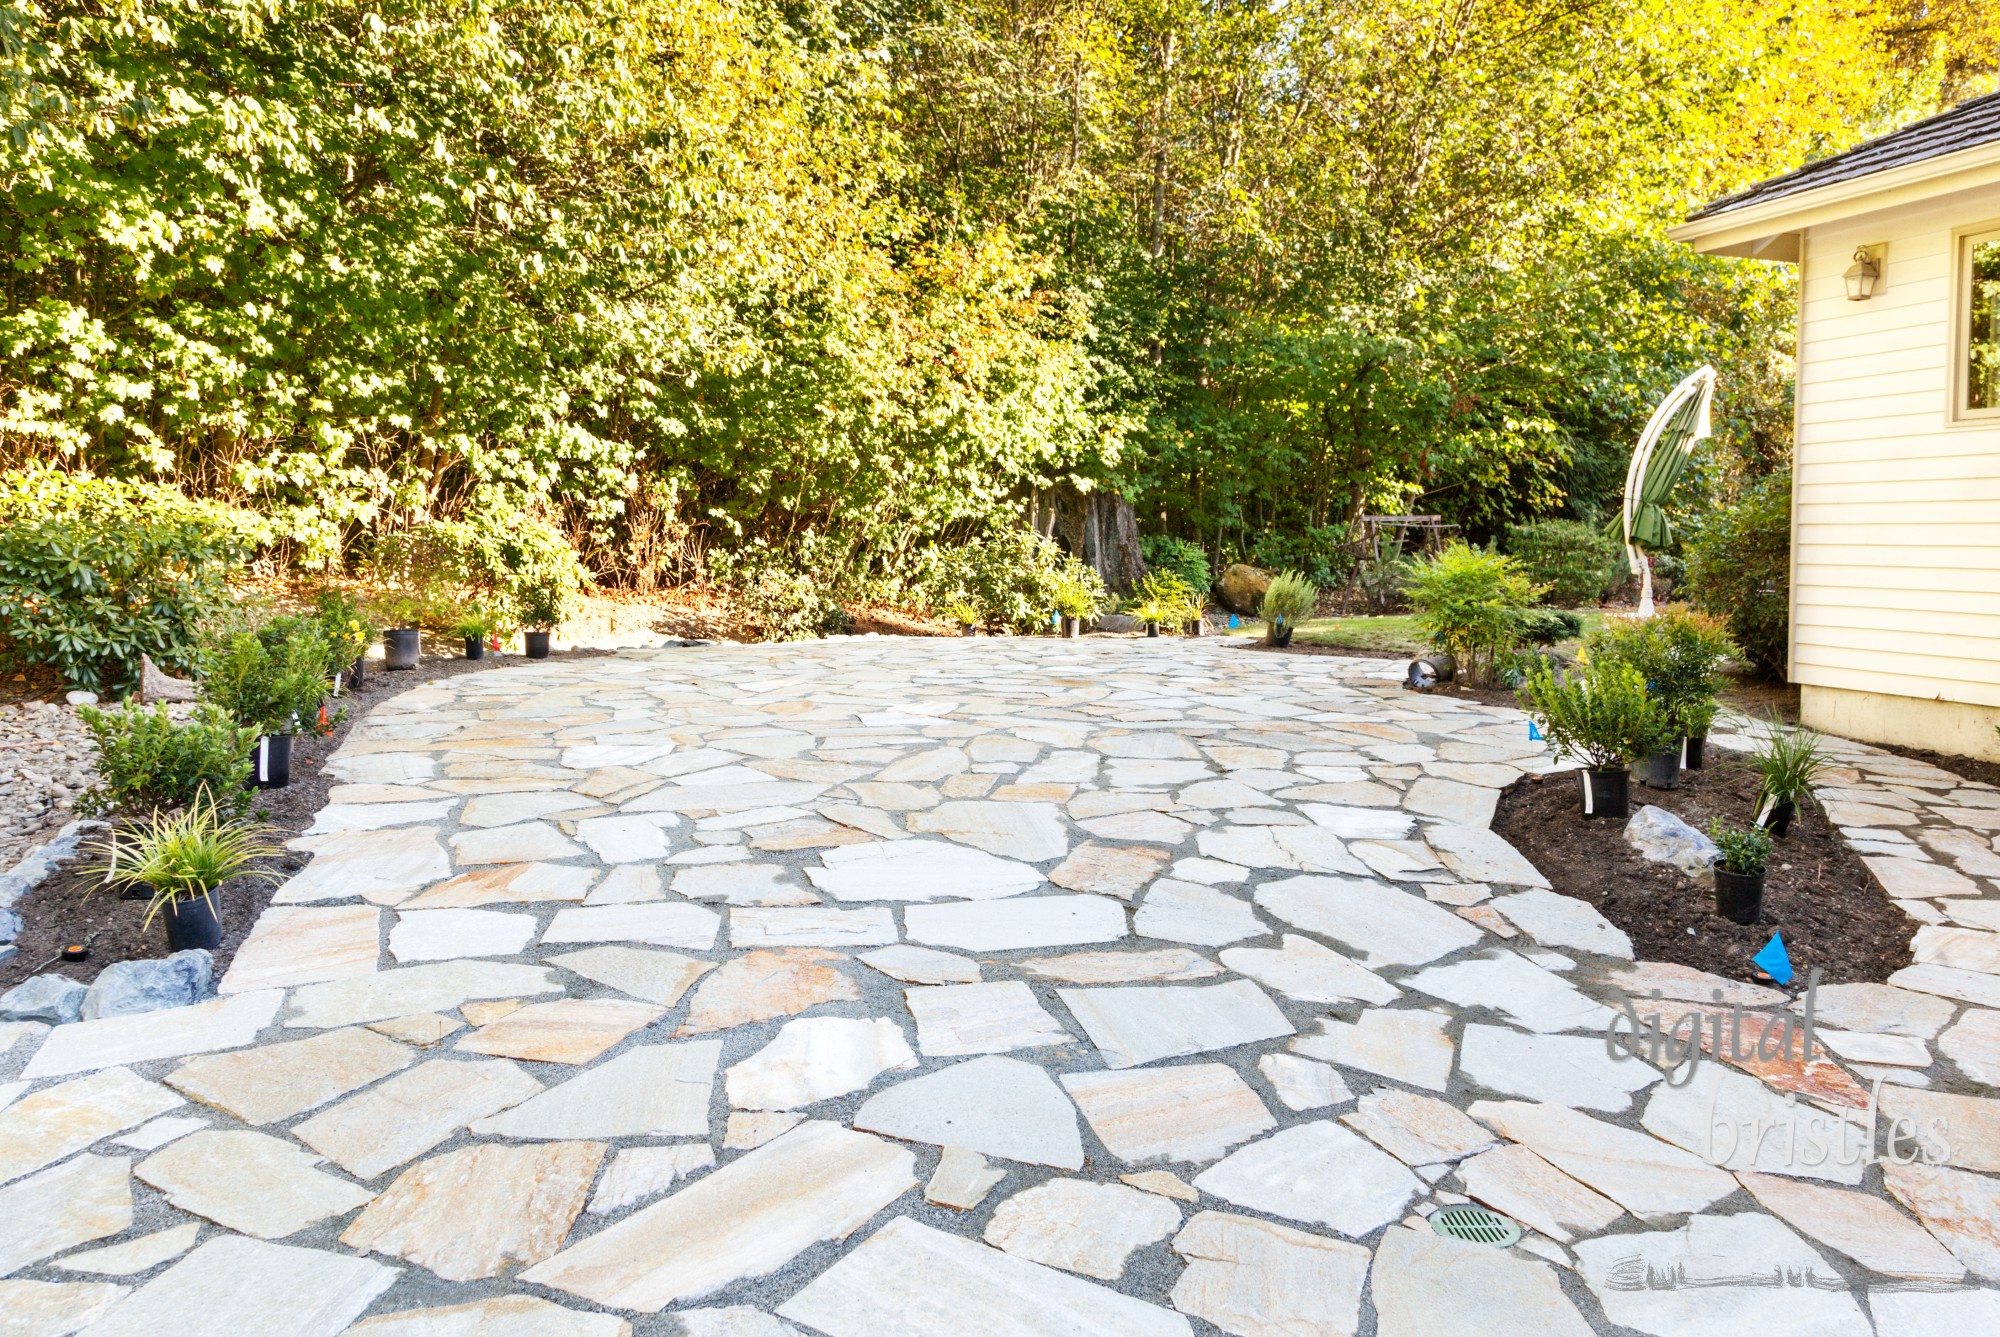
point(883, 987)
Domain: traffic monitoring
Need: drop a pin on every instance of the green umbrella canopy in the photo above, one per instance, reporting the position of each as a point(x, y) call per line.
point(1676, 427)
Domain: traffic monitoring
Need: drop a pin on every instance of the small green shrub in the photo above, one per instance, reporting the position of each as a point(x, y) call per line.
point(145, 760)
point(1289, 599)
point(1575, 561)
point(95, 573)
point(348, 626)
point(1186, 560)
point(1163, 597)
point(1080, 591)
point(184, 855)
point(1599, 714)
point(1547, 626)
point(271, 677)
point(1744, 849)
point(1678, 651)
point(1469, 602)
point(1739, 568)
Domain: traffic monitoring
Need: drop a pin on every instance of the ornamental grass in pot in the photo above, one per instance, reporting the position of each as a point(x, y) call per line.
point(477, 625)
point(179, 860)
point(1787, 762)
point(1288, 600)
point(1601, 715)
point(1739, 870)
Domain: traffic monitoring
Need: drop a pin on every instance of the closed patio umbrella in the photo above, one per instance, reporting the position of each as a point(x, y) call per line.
point(1677, 425)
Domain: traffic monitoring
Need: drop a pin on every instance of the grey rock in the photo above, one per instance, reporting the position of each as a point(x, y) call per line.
point(1242, 587)
point(10, 925)
point(1664, 838)
point(81, 698)
point(51, 998)
point(1116, 622)
point(126, 987)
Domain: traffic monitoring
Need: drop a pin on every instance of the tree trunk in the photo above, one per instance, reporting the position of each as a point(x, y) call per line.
point(1098, 527)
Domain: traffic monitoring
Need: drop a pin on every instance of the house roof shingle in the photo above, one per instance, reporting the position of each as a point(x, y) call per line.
point(1968, 125)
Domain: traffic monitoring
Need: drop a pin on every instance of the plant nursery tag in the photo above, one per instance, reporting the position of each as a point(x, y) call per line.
point(1534, 732)
point(1774, 960)
point(1764, 813)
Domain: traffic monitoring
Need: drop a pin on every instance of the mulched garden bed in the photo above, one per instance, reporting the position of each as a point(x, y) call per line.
point(60, 911)
point(1818, 894)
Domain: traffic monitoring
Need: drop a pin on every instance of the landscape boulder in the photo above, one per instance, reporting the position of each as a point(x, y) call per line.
point(1241, 589)
point(1664, 838)
point(51, 998)
point(125, 987)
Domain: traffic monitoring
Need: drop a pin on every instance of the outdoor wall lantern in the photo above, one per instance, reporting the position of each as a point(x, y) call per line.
point(1862, 276)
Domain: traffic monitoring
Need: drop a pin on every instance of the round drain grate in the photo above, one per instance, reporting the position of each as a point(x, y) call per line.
point(1475, 1224)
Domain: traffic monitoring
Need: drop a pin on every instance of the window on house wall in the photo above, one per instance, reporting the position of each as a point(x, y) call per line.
point(1982, 352)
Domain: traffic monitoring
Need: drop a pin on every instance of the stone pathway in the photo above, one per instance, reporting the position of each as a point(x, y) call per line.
point(871, 988)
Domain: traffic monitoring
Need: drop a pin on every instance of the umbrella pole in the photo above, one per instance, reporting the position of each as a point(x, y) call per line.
point(1645, 584)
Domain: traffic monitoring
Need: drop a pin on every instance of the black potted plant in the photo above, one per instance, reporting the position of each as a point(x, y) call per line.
point(1787, 762)
point(403, 616)
point(478, 624)
point(274, 678)
point(1289, 599)
point(1075, 602)
point(349, 630)
point(542, 605)
point(179, 860)
point(965, 615)
point(1601, 715)
point(1739, 870)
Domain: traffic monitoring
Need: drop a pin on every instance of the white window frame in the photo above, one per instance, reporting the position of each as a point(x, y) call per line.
point(1960, 413)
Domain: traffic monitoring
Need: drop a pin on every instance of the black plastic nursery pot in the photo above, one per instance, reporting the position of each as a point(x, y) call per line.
point(271, 763)
point(1739, 897)
point(1692, 748)
point(1662, 770)
point(1198, 627)
point(538, 644)
point(400, 648)
point(1152, 629)
point(475, 647)
point(968, 630)
point(195, 921)
point(1278, 638)
point(1778, 821)
point(355, 674)
point(1605, 793)
point(1072, 627)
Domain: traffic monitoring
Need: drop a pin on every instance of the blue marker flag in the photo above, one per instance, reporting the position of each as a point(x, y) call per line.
point(1233, 622)
point(1774, 960)
point(1534, 732)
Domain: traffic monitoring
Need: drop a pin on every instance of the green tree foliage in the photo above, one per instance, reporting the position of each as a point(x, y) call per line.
point(1576, 561)
point(1739, 568)
point(689, 279)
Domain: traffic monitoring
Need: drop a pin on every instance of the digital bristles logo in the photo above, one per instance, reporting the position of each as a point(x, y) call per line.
point(1807, 1135)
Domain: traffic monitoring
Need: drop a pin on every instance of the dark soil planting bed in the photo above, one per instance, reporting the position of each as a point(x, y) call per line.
point(58, 912)
point(1819, 895)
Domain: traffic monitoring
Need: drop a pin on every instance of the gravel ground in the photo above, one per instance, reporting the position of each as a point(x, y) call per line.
point(45, 763)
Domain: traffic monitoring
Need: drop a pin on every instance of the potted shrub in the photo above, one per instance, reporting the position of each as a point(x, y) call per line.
point(270, 679)
point(476, 625)
point(1787, 762)
point(542, 605)
point(179, 860)
point(1075, 603)
point(403, 617)
point(1678, 651)
point(1739, 870)
point(148, 759)
point(963, 613)
point(349, 630)
point(1288, 600)
point(1601, 715)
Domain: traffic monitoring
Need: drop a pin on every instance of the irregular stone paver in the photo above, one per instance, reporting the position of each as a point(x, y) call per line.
point(1260, 1279)
point(1102, 856)
point(908, 1280)
point(232, 1284)
point(1081, 1227)
point(83, 1199)
point(480, 1210)
point(1721, 1270)
point(134, 1256)
point(249, 1182)
point(1186, 1112)
point(54, 1308)
point(747, 1219)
